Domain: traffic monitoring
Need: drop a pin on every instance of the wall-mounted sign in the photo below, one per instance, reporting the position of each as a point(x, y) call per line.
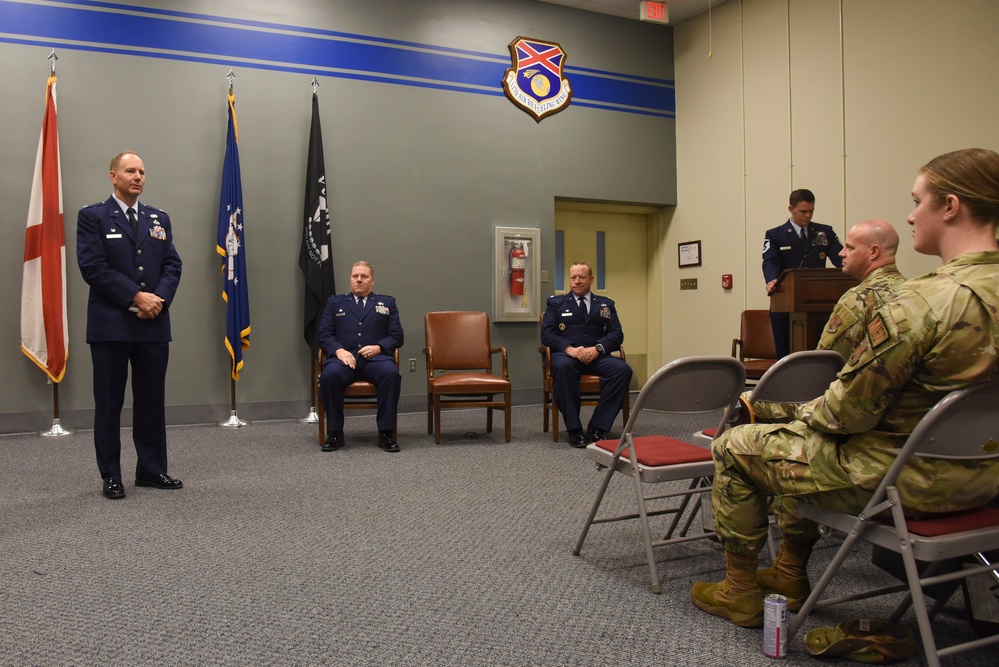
point(654, 12)
point(535, 82)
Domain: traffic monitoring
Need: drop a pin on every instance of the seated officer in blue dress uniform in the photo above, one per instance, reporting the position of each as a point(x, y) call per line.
point(360, 332)
point(582, 330)
point(792, 245)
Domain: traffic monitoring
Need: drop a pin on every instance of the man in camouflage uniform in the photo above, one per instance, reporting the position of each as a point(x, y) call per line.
point(939, 333)
point(869, 256)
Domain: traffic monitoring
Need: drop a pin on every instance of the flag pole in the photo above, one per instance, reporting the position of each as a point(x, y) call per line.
point(55, 374)
point(234, 421)
point(313, 416)
point(57, 429)
point(234, 346)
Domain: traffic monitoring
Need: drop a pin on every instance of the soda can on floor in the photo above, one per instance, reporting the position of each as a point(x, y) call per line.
point(775, 626)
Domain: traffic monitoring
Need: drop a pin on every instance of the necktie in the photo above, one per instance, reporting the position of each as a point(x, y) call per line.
point(804, 235)
point(361, 300)
point(582, 306)
point(132, 219)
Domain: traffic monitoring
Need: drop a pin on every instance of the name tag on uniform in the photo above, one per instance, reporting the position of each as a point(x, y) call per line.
point(567, 314)
point(785, 247)
point(339, 313)
point(113, 236)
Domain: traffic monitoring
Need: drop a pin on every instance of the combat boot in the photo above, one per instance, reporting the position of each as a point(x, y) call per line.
point(788, 575)
point(738, 598)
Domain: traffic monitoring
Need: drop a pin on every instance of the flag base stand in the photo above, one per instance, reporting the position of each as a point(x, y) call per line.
point(233, 422)
point(56, 430)
point(312, 417)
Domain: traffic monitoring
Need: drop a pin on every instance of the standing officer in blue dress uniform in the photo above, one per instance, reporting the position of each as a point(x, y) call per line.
point(581, 337)
point(126, 255)
point(360, 332)
point(793, 246)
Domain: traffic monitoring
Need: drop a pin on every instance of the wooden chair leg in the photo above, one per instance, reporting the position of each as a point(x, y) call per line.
point(544, 411)
point(430, 414)
point(507, 411)
point(489, 418)
point(554, 411)
point(437, 419)
point(321, 414)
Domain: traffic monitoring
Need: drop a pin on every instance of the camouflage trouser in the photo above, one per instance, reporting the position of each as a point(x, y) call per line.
point(787, 461)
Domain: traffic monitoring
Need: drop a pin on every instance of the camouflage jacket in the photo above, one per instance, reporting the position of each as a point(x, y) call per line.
point(939, 333)
point(848, 322)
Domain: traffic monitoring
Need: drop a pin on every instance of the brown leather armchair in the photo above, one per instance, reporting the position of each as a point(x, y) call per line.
point(589, 392)
point(755, 345)
point(359, 395)
point(460, 368)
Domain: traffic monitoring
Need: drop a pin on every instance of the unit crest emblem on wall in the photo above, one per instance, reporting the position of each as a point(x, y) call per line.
point(535, 82)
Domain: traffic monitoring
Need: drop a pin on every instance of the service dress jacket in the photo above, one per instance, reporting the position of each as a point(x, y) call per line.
point(562, 325)
point(783, 249)
point(117, 262)
point(349, 326)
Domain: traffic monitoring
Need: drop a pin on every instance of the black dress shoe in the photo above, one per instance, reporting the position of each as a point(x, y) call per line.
point(113, 488)
point(334, 441)
point(576, 438)
point(595, 434)
point(163, 481)
point(387, 443)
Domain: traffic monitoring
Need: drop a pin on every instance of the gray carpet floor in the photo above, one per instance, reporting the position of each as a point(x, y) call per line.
point(275, 553)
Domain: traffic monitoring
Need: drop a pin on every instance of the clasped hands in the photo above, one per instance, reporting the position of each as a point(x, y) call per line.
point(583, 354)
point(349, 359)
point(149, 305)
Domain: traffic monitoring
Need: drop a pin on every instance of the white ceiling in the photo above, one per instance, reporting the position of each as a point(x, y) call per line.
point(678, 9)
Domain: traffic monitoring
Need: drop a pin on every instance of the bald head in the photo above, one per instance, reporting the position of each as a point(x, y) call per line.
point(869, 245)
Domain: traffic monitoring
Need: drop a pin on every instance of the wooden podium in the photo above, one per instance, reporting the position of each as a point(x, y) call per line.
point(809, 295)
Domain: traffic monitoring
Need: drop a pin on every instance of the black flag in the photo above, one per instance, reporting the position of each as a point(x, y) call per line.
point(316, 258)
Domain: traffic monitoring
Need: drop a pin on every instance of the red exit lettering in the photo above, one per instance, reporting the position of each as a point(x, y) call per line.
point(653, 11)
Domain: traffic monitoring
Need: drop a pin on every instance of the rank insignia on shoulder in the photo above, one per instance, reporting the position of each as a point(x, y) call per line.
point(877, 331)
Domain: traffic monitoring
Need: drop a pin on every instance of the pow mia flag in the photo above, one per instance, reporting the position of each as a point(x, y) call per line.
point(316, 258)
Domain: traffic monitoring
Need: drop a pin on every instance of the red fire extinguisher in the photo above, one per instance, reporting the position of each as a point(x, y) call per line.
point(518, 264)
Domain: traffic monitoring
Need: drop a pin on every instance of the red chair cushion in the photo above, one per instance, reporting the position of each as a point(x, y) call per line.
point(660, 450)
point(983, 517)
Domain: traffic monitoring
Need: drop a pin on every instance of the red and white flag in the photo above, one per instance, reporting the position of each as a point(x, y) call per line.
point(44, 327)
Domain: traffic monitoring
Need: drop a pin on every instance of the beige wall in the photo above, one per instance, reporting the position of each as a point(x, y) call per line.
point(845, 97)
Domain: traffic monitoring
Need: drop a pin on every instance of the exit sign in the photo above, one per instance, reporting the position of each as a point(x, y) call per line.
point(655, 12)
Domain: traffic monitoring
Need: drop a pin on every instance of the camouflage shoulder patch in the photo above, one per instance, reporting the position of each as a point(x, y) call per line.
point(834, 323)
point(858, 352)
point(877, 331)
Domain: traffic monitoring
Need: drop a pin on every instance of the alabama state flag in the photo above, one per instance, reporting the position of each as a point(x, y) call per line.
point(44, 326)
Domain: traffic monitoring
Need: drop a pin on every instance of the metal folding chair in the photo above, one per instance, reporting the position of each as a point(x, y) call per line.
point(963, 426)
point(795, 379)
point(685, 386)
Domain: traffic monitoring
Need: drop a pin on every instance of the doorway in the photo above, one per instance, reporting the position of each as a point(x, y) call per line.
point(621, 243)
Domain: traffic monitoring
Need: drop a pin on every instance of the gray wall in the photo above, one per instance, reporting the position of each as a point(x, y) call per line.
point(418, 179)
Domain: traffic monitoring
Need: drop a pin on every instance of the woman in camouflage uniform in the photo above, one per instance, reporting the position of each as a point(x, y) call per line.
point(939, 333)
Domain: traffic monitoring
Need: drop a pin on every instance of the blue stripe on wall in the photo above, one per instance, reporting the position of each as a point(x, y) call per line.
point(157, 33)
